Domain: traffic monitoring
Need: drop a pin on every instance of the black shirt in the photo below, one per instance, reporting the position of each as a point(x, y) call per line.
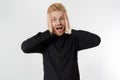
point(60, 52)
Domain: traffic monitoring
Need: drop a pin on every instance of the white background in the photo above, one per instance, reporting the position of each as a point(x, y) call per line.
point(21, 19)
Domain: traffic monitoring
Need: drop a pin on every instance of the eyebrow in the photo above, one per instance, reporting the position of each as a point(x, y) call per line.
point(55, 17)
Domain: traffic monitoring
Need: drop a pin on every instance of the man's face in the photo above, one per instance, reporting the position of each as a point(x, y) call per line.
point(58, 22)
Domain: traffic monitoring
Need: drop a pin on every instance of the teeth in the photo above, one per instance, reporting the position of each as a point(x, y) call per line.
point(59, 28)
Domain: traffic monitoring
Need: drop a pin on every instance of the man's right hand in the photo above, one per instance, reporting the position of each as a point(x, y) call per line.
point(49, 24)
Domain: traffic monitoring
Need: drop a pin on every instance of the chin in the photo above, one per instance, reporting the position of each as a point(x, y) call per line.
point(59, 34)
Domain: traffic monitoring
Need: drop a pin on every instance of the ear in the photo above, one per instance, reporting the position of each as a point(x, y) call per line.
point(49, 23)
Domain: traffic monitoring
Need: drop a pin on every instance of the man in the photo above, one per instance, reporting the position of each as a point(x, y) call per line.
point(59, 45)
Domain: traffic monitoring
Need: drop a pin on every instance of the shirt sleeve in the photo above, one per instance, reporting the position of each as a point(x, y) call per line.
point(85, 39)
point(36, 43)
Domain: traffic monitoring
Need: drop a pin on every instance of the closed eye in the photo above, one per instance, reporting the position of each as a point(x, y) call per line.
point(53, 19)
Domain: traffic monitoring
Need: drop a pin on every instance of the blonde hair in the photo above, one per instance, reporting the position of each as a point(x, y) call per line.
point(56, 7)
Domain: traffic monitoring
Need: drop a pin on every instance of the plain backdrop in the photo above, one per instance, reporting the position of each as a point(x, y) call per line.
point(21, 19)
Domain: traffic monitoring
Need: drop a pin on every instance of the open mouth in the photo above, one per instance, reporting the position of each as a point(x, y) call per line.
point(59, 28)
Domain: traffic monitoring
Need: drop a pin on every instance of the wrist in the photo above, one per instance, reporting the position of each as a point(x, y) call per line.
point(69, 31)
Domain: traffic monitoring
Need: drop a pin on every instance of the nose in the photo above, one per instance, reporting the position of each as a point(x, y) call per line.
point(58, 22)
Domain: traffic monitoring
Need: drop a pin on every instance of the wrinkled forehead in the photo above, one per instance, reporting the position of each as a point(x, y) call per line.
point(57, 14)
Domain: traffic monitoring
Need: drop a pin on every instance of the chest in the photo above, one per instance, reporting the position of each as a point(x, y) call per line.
point(61, 46)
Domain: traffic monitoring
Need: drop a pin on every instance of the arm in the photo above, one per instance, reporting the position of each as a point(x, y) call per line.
point(36, 43)
point(84, 39)
point(40, 41)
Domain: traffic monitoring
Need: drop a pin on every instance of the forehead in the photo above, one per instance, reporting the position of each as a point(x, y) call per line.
point(57, 14)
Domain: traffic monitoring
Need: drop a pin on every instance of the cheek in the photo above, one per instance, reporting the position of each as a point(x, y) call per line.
point(63, 22)
point(53, 24)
